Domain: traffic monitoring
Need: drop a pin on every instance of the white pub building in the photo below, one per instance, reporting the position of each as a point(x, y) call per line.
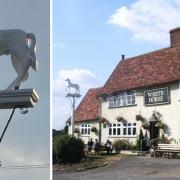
point(138, 85)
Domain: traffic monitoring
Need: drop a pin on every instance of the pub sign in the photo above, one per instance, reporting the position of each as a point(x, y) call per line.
point(157, 96)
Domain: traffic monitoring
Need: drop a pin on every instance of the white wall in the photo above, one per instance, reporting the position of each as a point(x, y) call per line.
point(93, 135)
point(170, 112)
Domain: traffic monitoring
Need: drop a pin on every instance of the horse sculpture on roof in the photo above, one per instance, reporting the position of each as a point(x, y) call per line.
point(21, 46)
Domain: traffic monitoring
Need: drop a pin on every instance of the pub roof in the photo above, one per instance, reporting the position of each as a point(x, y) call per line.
point(88, 109)
point(154, 68)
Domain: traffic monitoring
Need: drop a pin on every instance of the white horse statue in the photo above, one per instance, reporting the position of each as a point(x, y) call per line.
point(72, 85)
point(21, 46)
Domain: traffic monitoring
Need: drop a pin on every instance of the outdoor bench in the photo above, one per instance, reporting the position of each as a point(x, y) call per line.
point(100, 150)
point(167, 150)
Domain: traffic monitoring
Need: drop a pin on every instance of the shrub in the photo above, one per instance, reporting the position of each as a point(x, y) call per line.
point(68, 149)
point(119, 145)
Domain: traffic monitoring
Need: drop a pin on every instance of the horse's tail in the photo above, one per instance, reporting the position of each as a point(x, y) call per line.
point(32, 50)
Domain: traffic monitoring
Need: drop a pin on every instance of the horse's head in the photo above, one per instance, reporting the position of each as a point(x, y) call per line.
point(68, 80)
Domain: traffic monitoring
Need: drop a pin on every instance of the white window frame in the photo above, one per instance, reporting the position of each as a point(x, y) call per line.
point(115, 127)
point(86, 129)
point(123, 99)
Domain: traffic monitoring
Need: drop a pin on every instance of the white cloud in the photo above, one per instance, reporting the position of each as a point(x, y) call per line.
point(18, 156)
point(62, 105)
point(149, 20)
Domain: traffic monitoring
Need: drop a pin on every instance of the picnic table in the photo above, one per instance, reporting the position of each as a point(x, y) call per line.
point(167, 150)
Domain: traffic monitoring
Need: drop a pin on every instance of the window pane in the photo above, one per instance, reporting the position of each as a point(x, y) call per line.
point(110, 125)
point(85, 125)
point(114, 125)
point(114, 131)
point(85, 131)
point(134, 124)
point(118, 131)
point(134, 131)
point(129, 124)
point(82, 131)
point(110, 131)
point(129, 131)
point(124, 131)
point(89, 131)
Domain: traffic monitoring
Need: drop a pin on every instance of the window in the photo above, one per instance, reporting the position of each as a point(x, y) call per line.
point(85, 129)
point(119, 129)
point(123, 99)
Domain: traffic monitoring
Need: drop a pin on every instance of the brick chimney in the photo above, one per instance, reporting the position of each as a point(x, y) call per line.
point(175, 37)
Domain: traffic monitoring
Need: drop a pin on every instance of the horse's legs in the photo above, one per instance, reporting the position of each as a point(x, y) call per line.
point(17, 81)
point(22, 69)
point(14, 84)
point(22, 75)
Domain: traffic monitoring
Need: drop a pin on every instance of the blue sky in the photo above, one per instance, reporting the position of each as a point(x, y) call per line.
point(90, 36)
point(27, 138)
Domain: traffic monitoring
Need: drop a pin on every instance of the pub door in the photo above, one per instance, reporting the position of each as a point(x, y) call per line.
point(154, 131)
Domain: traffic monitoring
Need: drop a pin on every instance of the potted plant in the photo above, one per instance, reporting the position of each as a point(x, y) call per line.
point(121, 119)
point(145, 125)
point(76, 130)
point(103, 120)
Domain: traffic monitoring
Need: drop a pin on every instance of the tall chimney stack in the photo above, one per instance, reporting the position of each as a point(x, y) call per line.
point(122, 56)
point(175, 37)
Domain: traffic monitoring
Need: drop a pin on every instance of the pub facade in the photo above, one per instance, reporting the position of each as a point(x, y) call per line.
point(138, 86)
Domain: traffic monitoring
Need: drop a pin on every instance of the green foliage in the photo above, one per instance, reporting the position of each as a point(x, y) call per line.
point(140, 118)
point(121, 119)
point(56, 132)
point(146, 125)
point(157, 118)
point(67, 149)
point(119, 145)
point(138, 143)
point(164, 140)
point(60, 132)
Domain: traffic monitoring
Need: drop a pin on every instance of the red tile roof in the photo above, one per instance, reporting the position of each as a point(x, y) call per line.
point(88, 109)
point(154, 68)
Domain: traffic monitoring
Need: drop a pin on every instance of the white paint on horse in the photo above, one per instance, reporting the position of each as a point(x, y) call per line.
point(72, 85)
point(21, 46)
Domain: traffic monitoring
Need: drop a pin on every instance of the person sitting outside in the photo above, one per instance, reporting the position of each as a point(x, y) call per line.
point(96, 147)
point(90, 145)
point(109, 147)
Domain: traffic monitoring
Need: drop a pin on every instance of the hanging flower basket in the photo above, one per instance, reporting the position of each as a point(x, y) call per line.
point(76, 130)
point(145, 125)
point(139, 117)
point(93, 129)
point(103, 120)
point(121, 119)
point(160, 125)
